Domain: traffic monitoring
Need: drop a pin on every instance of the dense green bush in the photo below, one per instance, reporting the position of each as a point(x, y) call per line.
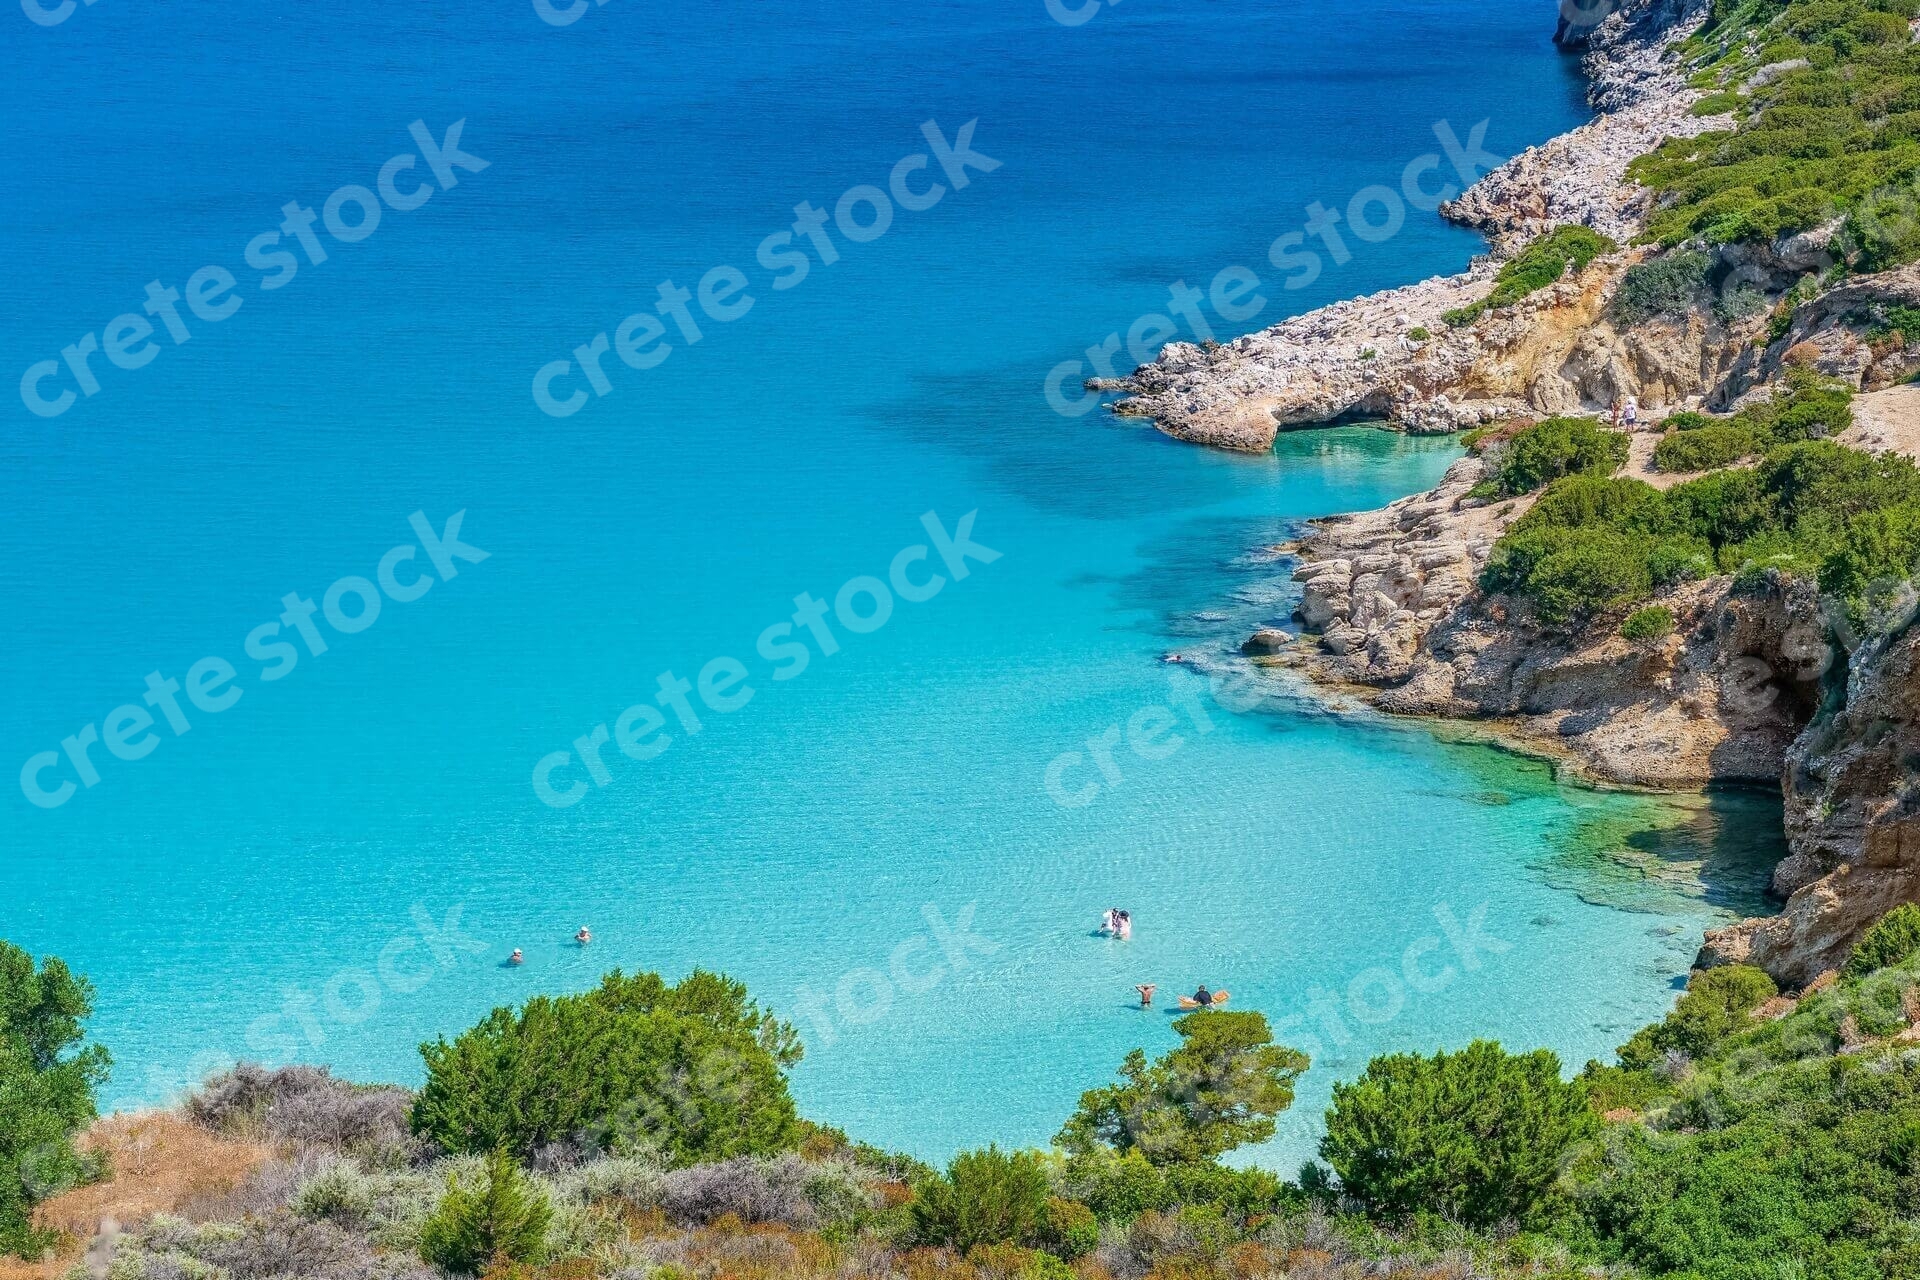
point(1666, 285)
point(1069, 1229)
point(1553, 448)
point(1892, 939)
point(502, 1218)
point(1476, 1135)
point(692, 1072)
point(1221, 1087)
point(47, 1083)
point(1655, 622)
point(1804, 407)
point(1118, 1188)
point(1715, 1006)
point(986, 1197)
point(1706, 448)
point(1544, 260)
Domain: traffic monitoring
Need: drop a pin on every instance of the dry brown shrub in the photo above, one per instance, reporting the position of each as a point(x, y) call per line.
point(1183, 1268)
point(1247, 1260)
point(1092, 1268)
point(936, 1264)
point(1801, 353)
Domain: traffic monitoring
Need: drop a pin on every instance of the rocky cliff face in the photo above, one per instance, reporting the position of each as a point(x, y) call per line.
point(1853, 822)
point(1393, 598)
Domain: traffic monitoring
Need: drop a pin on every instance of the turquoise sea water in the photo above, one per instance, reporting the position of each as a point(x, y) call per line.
point(250, 887)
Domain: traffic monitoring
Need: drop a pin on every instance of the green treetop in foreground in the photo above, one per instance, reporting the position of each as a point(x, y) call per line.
point(1221, 1088)
point(46, 1089)
point(690, 1072)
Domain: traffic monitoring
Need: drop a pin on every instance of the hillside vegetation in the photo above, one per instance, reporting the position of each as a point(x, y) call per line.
point(1825, 100)
point(1594, 545)
point(1743, 1133)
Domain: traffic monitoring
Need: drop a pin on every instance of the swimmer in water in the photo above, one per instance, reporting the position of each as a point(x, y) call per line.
point(584, 936)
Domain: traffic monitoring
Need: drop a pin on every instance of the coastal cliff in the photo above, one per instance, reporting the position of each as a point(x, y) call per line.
point(1752, 682)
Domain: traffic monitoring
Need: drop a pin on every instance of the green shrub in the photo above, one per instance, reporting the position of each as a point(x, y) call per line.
point(1895, 319)
point(1544, 260)
point(1655, 622)
point(1809, 508)
point(1715, 1006)
point(1892, 939)
point(1118, 1188)
point(1706, 448)
point(986, 1198)
point(1558, 447)
point(1687, 420)
point(1221, 1087)
point(1666, 285)
point(504, 1218)
point(47, 1083)
point(1717, 103)
point(1069, 1229)
point(1419, 333)
point(1476, 1135)
point(693, 1072)
point(1767, 1148)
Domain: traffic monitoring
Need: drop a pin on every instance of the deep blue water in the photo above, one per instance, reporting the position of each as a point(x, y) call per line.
point(238, 891)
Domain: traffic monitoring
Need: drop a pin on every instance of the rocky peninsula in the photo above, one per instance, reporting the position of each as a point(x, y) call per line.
point(1756, 683)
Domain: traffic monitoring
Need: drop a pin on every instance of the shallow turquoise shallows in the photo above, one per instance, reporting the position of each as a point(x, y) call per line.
point(251, 887)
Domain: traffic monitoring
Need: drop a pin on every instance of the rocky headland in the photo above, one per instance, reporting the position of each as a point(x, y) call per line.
point(1755, 684)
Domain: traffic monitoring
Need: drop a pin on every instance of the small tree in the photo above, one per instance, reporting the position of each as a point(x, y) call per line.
point(46, 1089)
point(504, 1218)
point(987, 1197)
point(1220, 1088)
point(1475, 1135)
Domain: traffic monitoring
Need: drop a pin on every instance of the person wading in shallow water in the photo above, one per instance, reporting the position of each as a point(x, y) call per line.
point(1146, 990)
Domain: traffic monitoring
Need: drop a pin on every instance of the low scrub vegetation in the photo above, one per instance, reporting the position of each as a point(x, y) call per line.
point(1655, 622)
point(1741, 1134)
point(1545, 452)
point(1593, 545)
point(1833, 131)
point(1665, 285)
point(1543, 261)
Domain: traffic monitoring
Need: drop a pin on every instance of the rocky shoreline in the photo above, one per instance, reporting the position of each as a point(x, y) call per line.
point(1365, 358)
point(1752, 686)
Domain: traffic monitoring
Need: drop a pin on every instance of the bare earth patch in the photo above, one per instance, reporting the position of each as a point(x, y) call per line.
point(1886, 421)
point(159, 1162)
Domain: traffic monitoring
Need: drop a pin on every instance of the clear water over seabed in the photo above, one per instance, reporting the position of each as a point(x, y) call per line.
point(236, 892)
